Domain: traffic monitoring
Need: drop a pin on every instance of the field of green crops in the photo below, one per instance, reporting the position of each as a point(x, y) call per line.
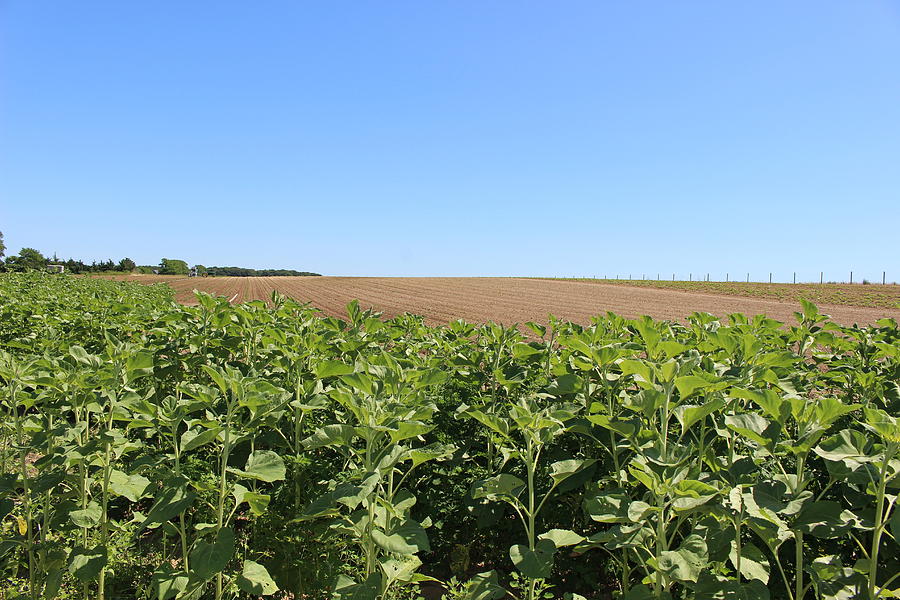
point(158, 451)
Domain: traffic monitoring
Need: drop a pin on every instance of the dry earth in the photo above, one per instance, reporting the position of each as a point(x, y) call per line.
point(505, 300)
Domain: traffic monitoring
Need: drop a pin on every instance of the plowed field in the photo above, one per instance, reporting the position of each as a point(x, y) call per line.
point(506, 300)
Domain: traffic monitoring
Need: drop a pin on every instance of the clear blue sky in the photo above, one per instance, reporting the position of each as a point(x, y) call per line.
point(456, 137)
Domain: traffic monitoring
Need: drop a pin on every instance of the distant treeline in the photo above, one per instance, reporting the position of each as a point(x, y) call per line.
point(242, 272)
point(30, 259)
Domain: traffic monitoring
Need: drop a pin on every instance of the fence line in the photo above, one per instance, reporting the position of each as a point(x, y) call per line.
point(707, 278)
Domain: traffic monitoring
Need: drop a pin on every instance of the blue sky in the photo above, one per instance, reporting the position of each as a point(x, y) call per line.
point(456, 138)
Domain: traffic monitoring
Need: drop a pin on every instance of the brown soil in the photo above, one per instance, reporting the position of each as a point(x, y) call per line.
point(503, 300)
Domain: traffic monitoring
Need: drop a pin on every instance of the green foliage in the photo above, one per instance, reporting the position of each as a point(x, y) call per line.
point(245, 272)
point(151, 450)
point(28, 259)
point(172, 266)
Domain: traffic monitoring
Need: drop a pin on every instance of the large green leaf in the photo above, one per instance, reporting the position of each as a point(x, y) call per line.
point(6, 507)
point(139, 364)
point(258, 502)
point(168, 582)
point(348, 589)
point(86, 563)
point(87, 517)
point(435, 451)
point(53, 583)
point(360, 382)
point(642, 371)
point(623, 428)
point(639, 510)
point(769, 400)
point(642, 592)
point(608, 506)
point(497, 487)
point(754, 427)
point(133, 487)
point(191, 440)
point(255, 579)
point(330, 435)
point(263, 465)
point(716, 587)
point(563, 469)
point(348, 494)
point(886, 426)
point(754, 564)
point(828, 409)
point(825, 519)
point(849, 446)
point(402, 568)
point(332, 368)
point(208, 559)
point(691, 494)
point(834, 581)
point(170, 501)
point(409, 429)
point(408, 537)
point(684, 564)
point(689, 414)
point(690, 384)
point(484, 586)
point(537, 563)
point(562, 537)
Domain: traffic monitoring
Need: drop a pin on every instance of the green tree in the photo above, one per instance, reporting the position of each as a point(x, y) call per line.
point(2, 246)
point(126, 264)
point(201, 270)
point(28, 259)
point(171, 266)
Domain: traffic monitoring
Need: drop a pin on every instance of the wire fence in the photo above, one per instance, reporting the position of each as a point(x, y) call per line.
point(747, 278)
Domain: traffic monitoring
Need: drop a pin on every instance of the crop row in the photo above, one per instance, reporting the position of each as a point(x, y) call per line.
point(151, 450)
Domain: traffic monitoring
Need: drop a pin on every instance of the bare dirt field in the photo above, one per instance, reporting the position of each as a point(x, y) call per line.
point(505, 300)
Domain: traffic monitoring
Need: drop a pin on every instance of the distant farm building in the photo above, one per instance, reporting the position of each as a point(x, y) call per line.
point(56, 268)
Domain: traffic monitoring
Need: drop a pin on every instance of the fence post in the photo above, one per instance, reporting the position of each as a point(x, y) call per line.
point(770, 278)
point(673, 276)
point(726, 277)
point(690, 276)
point(795, 276)
point(883, 277)
point(851, 276)
point(748, 277)
point(821, 277)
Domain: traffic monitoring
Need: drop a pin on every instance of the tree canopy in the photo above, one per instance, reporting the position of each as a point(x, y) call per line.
point(28, 259)
point(173, 266)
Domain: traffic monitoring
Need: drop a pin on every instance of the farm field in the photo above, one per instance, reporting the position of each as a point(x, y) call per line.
point(871, 295)
point(514, 300)
point(155, 450)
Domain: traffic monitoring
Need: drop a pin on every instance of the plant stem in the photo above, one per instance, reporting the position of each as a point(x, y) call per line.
point(879, 520)
point(530, 466)
point(182, 529)
point(26, 492)
point(223, 473)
